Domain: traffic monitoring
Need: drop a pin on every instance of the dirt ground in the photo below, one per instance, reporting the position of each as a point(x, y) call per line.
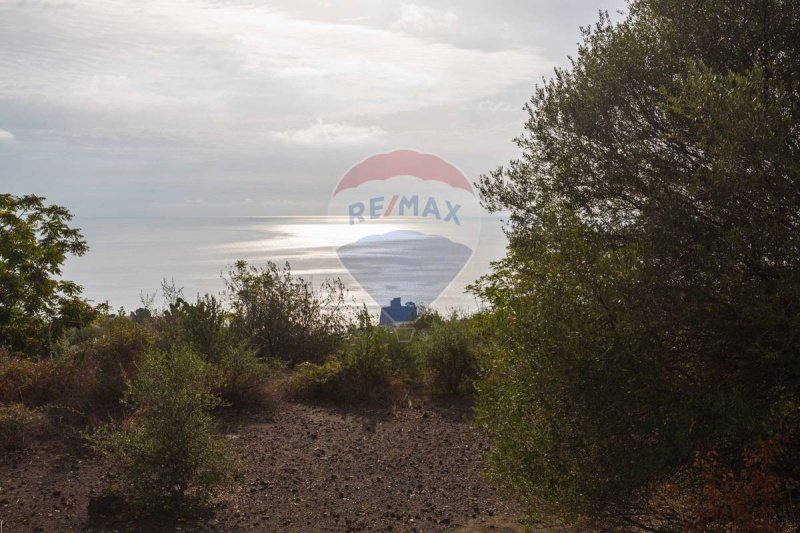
point(305, 468)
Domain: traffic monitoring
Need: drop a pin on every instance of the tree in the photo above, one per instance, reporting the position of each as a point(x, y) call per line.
point(648, 305)
point(35, 304)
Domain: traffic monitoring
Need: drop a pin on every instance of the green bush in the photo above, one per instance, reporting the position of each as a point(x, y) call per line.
point(317, 382)
point(243, 379)
point(88, 374)
point(365, 363)
point(427, 318)
point(362, 371)
point(168, 453)
point(202, 325)
point(447, 350)
point(284, 316)
point(106, 361)
point(403, 361)
point(16, 422)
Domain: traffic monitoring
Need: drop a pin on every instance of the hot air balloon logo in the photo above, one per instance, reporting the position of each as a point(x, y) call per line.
point(412, 223)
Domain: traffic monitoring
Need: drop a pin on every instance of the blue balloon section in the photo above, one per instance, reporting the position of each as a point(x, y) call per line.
point(407, 264)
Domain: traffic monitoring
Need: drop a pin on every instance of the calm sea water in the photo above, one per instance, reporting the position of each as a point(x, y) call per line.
point(129, 257)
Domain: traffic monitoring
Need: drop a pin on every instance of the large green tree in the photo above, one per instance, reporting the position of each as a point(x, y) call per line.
point(35, 303)
point(649, 305)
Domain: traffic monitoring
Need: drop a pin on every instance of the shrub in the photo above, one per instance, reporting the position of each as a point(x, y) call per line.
point(87, 375)
point(168, 453)
point(106, 361)
point(243, 379)
point(403, 360)
point(427, 318)
point(27, 381)
point(447, 350)
point(365, 363)
point(16, 422)
point(202, 325)
point(284, 316)
point(75, 337)
point(317, 382)
point(362, 371)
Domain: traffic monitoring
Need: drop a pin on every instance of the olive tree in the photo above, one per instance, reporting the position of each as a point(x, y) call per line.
point(648, 306)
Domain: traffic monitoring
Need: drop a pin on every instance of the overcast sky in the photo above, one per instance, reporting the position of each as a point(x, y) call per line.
point(228, 107)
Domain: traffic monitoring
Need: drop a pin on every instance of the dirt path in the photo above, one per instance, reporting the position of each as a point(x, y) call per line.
point(304, 469)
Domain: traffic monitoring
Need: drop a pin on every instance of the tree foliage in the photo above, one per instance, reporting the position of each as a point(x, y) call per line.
point(36, 305)
point(648, 305)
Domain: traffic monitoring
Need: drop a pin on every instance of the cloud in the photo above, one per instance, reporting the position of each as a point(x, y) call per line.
point(168, 63)
point(424, 19)
point(330, 133)
point(497, 106)
point(150, 99)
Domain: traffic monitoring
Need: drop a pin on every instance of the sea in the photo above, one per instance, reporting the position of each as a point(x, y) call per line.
point(129, 258)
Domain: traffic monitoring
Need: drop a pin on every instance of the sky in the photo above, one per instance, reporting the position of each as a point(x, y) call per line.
point(239, 108)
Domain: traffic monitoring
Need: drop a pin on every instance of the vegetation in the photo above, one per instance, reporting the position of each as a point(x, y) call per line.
point(447, 350)
point(637, 366)
point(361, 371)
point(102, 364)
point(365, 359)
point(87, 376)
point(152, 379)
point(168, 453)
point(36, 306)
point(202, 325)
point(372, 360)
point(283, 315)
point(646, 310)
point(16, 420)
point(27, 381)
point(317, 381)
point(243, 380)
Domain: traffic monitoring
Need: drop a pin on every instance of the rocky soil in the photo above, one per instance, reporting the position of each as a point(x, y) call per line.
point(305, 468)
